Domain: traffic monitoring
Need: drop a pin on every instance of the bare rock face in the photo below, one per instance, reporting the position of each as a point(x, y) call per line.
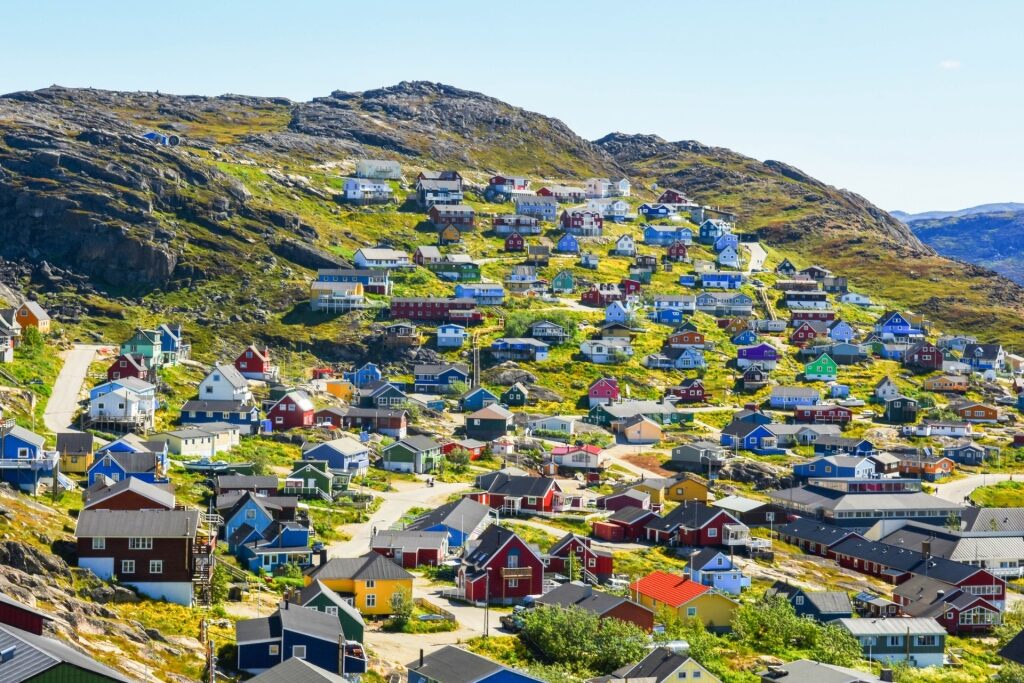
point(508, 373)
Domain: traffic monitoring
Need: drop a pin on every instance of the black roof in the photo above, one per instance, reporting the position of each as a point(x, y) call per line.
point(904, 560)
point(685, 515)
point(295, 670)
point(659, 665)
point(452, 664)
point(583, 596)
point(815, 531)
point(1014, 649)
point(31, 656)
point(628, 515)
point(507, 485)
point(372, 566)
point(74, 442)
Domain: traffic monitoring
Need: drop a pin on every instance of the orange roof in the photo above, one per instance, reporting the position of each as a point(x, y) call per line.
point(668, 588)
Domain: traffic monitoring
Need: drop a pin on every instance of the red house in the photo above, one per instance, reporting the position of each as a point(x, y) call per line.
point(695, 524)
point(923, 356)
point(678, 251)
point(511, 493)
point(604, 605)
point(629, 287)
point(600, 295)
point(625, 498)
point(129, 494)
point(823, 413)
point(690, 391)
point(411, 549)
point(254, 363)
point(821, 315)
point(460, 215)
point(685, 339)
point(626, 524)
point(602, 391)
point(581, 219)
point(18, 615)
point(501, 568)
point(125, 366)
point(673, 197)
point(515, 242)
point(472, 446)
point(596, 565)
point(429, 309)
point(293, 410)
point(807, 331)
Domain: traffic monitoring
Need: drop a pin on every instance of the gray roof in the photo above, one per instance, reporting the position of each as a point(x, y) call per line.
point(409, 540)
point(38, 311)
point(310, 622)
point(577, 594)
point(452, 664)
point(295, 670)
point(807, 671)
point(795, 392)
point(74, 442)
point(984, 519)
point(371, 566)
point(658, 665)
point(246, 481)
point(231, 375)
point(158, 494)
point(29, 437)
point(137, 523)
point(897, 627)
point(199, 406)
point(34, 655)
point(465, 515)
point(317, 588)
point(419, 443)
point(346, 445)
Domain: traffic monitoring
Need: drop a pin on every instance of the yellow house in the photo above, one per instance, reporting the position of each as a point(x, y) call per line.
point(654, 487)
point(951, 383)
point(687, 487)
point(689, 599)
point(669, 666)
point(369, 581)
point(341, 388)
point(76, 452)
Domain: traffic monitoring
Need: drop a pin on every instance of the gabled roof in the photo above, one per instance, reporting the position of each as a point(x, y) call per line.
point(246, 481)
point(137, 523)
point(669, 589)
point(32, 656)
point(295, 670)
point(505, 484)
point(131, 463)
point(317, 588)
point(490, 542)
point(409, 540)
point(230, 374)
point(578, 594)
point(629, 515)
point(825, 602)
point(452, 664)
point(344, 444)
point(299, 398)
point(464, 514)
point(701, 559)
point(371, 566)
point(29, 437)
point(689, 514)
point(491, 412)
point(807, 671)
point(418, 444)
point(157, 494)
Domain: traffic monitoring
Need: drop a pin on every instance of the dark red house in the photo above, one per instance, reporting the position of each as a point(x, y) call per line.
point(692, 523)
point(626, 524)
point(595, 564)
point(511, 493)
point(411, 549)
point(603, 390)
point(672, 197)
point(515, 242)
point(18, 615)
point(808, 331)
point(128, 366)
point(625, 498)
point(580, 218)
point(818, 314)
point(600, 295)
point(630, 287)
point(253, 362)
point(678, 251)
point(131, 493)
point(823, 413)
point(924, 357)
point(690, 391)
point(293, 410)
point(501, 568)
point(429, 309)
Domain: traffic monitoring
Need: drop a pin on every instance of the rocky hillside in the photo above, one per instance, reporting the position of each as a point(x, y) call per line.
point(227, 227)
point(993, 239)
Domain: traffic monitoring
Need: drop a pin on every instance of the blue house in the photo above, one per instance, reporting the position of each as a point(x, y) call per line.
point(367, 374)
point(668, 316)
point(253, 512)
point(841, 331)
point(130, 456)
point(343, 455)
point(483, 293)
point(307, 634)
point(568, 244)
point(841, 445)
point(721, 280)
point(748, 436)
point(666, 235)
point(836, 390)
point(477, 398)
point(616, 312)
point(245, 415)
point(745, 338)
point(690, 359)
point(25, 461)
point(712, 567)
point(172, 344)
point(438, 378)
point(711, 229)
point(728, 240)
point(655, 210)
point(822, 606)
point(452, 664)
point(451, 336)
point(788, 398)
point(688, 280)
point(836, 466)
point(281, 543)
point(463, 519)
point(892, 324)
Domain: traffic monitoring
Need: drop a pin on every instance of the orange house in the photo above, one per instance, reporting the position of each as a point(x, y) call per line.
point(978, 412)
point(32, 314)
point(950, 383)
point(926, 468)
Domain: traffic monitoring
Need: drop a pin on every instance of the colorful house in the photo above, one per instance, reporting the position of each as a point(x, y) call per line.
point(714, 568)
point(689, 599)
point(291, 411)
point(419, 454)
point(823, 369)
point(370, 581)
point(500, 568)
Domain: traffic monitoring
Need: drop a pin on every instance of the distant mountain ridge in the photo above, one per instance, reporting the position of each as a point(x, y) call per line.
point(990, 235)
point(934, 215)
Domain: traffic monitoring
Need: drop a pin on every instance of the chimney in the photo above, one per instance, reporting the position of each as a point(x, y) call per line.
point(940, 593)
point(886, 675)
point(421, 658)
point(323, 556)
point(926, 548)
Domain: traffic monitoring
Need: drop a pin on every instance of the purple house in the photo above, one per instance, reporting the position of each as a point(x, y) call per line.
point(764, 354)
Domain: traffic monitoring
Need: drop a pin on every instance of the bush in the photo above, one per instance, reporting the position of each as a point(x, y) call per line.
point(581, 641)
point(401, 607)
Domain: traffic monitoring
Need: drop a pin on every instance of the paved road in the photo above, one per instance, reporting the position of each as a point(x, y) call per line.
point(956, 491)
point(757, 256)
point(63, 402)
point(396, 503)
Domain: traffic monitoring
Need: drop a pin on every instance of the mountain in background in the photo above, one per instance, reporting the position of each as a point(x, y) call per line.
point(990, 235)
point(228, 227)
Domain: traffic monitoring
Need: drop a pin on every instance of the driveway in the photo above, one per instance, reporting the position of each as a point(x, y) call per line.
point(63, 402)
point(408, 494)
point(956, 491)
point(757, 256)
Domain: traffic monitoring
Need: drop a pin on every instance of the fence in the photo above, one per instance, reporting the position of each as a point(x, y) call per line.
point(433, 609)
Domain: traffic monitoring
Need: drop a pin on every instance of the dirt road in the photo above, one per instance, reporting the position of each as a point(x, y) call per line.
point(63, 401)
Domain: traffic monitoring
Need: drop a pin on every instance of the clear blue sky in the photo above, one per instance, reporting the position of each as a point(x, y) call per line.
point(916, 105)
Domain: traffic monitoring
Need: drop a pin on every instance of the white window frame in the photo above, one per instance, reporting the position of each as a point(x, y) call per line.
point(140, 543)
point(371, 600)
point(298, 651)
point(156, 566)
point(99, 543)
point(127, 566)
point(274, 649)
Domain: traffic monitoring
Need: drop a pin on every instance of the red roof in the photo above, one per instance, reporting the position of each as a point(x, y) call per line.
point(668, 588)
point(588, 448)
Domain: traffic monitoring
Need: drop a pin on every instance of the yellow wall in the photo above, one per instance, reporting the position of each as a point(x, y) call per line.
point(713, 609)
point(382, 590)
point(80, 467)
point(340, 388)
point(691, 666)
point(691, 490)
point(654, 492)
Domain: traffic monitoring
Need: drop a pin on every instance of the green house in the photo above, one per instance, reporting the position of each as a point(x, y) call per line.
point(417, 454)
point(321, 598)
point(821, 369)
point(563, 283)
point(455, 271)
point(641, 275)
point(515, 395)
point(145, 343)
point(310, 479)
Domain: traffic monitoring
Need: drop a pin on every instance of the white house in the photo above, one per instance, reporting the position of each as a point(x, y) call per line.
point(606, 350)
point(729, 257)
point(225, 383)
point(886, 389)
point(957, 430)
point(451, 336)
point(855, 299)
point(379, 257)
point(123, 406)
point(563, 424)
point(616, 312)
point(365, 191)
point(578, 457)
point(625, 246)
point(192, 442)
point(622, 187)
point(598, 187)
point(615, 209)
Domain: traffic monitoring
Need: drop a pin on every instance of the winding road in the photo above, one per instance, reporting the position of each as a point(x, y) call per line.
point(63, 402)
point(955, 491)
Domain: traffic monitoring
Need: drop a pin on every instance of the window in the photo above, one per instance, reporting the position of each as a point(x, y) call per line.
point(681, 675)
point(156, 566)
point(712, 533)
point(513, 583)
point(798, 600)
point(274, 649)
point(22, 452)
point(371, 583)
point(209, 389)
point(332, 610)
point(371, 600)
point(691, 611)
point(927, 640)
point(695, 674)
point(99, 543)
point(512, 561)
point(592, 563)
point(250, 514)
point(894, 641)
point(140, 543)
point(127, 566)
point(299, 651)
